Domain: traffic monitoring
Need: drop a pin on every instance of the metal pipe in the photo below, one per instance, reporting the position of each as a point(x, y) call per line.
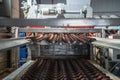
point(83, 36)
point(39, 36)
point(67, 38)
point(73, 37)
point(51, 36)
point(55, 38)
point(63, 38)
point(60, 39)
point(45, 36)
point(80, 38)
point(76, 37)
point(29, 34)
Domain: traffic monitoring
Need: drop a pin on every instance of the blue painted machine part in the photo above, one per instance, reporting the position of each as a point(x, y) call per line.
point(23, 51)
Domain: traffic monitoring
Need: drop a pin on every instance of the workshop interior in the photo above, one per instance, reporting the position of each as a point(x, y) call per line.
point(59, 39)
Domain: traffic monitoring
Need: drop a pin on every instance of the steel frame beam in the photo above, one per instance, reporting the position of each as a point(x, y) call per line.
point(59, 22)
point(60, 30)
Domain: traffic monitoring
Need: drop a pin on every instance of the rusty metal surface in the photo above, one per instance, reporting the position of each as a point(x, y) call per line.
point(18, 72)
point(63, 69)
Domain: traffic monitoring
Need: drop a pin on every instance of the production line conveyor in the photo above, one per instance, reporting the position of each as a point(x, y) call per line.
point(62, 68)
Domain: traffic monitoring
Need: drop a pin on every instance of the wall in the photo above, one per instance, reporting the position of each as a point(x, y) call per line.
point(5, 8)
point(2, 10)
point(105, 5)
point(15, 9)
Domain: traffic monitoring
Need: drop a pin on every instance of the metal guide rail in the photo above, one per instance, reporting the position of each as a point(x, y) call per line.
point(107, 43)
point(13, 42)
point(18, 71)
point(113, 77)
point(59, 22)
point(59, 30)
point(63, 68)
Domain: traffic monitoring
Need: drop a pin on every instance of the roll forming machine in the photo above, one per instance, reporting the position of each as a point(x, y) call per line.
point(61, 67)
point(59, 32)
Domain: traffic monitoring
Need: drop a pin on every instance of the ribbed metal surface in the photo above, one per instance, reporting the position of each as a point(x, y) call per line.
point(63, 69)
point(62, 38)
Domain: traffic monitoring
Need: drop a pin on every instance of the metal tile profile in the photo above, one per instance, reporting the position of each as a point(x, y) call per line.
point(59, 22)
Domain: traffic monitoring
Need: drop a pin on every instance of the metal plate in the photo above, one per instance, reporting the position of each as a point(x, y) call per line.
point(59, 22)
